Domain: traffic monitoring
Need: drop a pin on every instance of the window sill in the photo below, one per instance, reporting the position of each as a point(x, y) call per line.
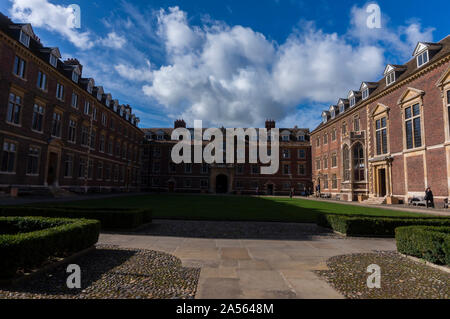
point(38, 132)
point(13, 124)
point(412, 150)
point(32, 175)
point(8, 173)
point(19, 77)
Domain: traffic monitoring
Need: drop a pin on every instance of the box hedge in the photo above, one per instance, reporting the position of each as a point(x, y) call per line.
point(39, 238)
point(429, 243)
point(117, 218)
point(352, 225)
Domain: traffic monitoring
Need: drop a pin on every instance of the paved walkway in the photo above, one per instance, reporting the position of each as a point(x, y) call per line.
point(399, 207)
point(244, 260)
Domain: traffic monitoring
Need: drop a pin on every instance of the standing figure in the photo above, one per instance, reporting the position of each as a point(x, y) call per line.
point(429, 198)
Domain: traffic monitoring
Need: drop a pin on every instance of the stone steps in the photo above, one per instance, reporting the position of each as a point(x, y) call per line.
point(375, 201)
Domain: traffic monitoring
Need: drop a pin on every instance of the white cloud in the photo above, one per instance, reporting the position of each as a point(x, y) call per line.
point(401, 40)
point(135, 74)
point(56, 18)
point(113, 40)
point(234, 76)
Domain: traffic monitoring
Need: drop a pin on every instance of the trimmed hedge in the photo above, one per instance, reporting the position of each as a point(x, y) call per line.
point(374, 225)
point(429, 243)
point(41, 238)
point(117, 218)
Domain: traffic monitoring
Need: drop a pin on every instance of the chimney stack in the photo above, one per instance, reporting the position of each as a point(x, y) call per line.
point(73, 61)
point(270, 124)
point(180, 123)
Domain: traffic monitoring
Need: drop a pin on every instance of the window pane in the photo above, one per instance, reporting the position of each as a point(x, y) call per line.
point(409, 137)
point(416, 110)
point(378, 142)
point(383, 122)
point(384, 140)
point(417, 133)
point(448, 97)
point(408, 113)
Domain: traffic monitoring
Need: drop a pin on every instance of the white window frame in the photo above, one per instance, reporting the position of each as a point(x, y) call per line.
point(24, 38)
point(53, 60)
point(365, 94)
point(390, 78)
point(423, 55)
point(59, 91)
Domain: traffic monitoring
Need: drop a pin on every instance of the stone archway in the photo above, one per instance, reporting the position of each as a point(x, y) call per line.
point(222, 184)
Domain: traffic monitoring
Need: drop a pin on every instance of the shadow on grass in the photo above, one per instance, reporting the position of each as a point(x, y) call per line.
point(93, 266)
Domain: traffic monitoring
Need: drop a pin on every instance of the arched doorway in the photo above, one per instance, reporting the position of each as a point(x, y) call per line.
point(171, 186)
point(52, 169)
point(221, 184)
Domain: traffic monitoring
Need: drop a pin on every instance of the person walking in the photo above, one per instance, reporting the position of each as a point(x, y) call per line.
point(291, 193)
point(429, 198)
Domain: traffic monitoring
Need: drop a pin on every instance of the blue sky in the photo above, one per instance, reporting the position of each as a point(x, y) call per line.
point(232, 63)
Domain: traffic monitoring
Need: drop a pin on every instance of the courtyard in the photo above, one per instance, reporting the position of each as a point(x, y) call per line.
point(236, 247)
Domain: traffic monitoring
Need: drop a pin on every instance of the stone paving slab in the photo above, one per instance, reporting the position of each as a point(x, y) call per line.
point(241, 268)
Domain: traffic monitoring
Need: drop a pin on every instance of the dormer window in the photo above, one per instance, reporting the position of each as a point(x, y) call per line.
point(341, 108)
point(301, 138)
point(108, 102)
point(75, 77)
point(121, 112)
point(422, 59)
point(24, 39)
point(285, 138)
point(324, 118)
point(99, 96)
point(390, 78)
point(53, 60)
point(90, 87)
point(365, 94)
point(352, 101)
point(333, 113)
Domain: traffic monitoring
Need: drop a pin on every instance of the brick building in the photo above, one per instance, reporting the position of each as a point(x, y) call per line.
point(390, 139)
point(58, 130)
point(161, 174)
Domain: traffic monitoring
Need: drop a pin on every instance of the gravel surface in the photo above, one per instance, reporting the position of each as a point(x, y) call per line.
point(109, 272)
point(234, 230)
point(401, 278)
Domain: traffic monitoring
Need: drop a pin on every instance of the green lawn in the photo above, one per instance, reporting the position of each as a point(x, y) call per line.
point(235, 207)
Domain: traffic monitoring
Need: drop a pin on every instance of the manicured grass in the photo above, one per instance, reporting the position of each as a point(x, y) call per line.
point(236, 207)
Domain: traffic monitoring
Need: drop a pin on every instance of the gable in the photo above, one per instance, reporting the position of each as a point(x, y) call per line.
point(410, 94)
point(420, 47)
point(444, 79)
point(389, 68)
point(379, 109)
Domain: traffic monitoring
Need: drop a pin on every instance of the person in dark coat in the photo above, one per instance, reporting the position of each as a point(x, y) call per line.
point(429, 198)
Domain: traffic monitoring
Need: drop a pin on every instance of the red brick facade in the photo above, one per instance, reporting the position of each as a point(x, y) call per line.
point(403, 129)
point(44, 138)
point(159, 174)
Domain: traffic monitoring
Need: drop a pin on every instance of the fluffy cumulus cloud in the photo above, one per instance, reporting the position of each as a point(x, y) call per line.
point(56, 18)
point(135, 74)
point(237, 77)
point(61, 19)
point(401, 40)
point(113, 41)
